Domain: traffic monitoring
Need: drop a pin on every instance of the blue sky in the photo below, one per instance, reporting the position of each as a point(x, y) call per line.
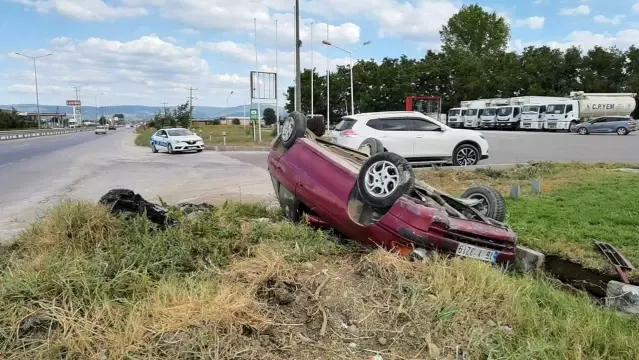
point(148, 51)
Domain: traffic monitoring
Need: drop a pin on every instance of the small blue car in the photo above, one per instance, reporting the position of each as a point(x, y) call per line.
point(606, 125)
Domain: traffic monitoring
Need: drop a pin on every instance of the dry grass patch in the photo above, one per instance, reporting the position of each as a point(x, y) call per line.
point(225, 285)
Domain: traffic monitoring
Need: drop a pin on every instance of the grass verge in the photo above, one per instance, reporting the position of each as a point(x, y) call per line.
point(237, 135)
point(579, 203)
point(144, 136)
point(237, 282)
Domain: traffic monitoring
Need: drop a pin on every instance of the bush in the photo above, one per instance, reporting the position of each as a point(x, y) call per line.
point(216, 122)
point(236, 121)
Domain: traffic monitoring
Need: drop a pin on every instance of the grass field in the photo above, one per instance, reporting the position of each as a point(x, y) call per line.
point(236, 135)
point(82, 284)
point(579, 203)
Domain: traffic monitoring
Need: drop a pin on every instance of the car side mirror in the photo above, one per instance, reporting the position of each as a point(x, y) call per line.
point(566, 115)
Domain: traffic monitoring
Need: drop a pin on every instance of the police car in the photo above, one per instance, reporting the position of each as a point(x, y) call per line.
point(176, 140)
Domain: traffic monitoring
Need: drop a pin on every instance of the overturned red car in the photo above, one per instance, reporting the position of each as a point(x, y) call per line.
point(374, 199)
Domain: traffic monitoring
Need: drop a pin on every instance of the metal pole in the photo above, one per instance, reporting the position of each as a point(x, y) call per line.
point(277, 96)
point(298, 79)
point(328, 86)
point(312, 70)
point(350, 55)
point(256, 77)
point(35, 72)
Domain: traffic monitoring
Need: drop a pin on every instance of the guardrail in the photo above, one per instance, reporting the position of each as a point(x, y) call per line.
point(22, 134)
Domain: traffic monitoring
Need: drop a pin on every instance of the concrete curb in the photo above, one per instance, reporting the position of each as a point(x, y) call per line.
point(623, 297)
point(13, 135)
point(236, 148)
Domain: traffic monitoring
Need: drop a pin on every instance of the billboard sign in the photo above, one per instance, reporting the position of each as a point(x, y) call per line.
point(73, 103)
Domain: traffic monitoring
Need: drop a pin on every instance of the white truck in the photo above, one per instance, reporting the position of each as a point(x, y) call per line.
point(564, 115)
point(489, 113)
point(533, 113)
point(474, 109)
point(456, 117)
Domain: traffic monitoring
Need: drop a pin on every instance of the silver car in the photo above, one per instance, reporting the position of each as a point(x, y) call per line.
point(607, 125)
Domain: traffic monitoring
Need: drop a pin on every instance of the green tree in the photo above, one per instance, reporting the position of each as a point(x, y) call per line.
point(476, 32)
point(236, 121)
point(269, 116)
point(182, 115)
point(102, 120)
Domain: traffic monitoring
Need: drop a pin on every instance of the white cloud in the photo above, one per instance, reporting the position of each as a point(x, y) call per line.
point(635, 8)
point(586, 40)
point(533, 22)
point(84, 10)
point(153, 69)
point(579, 10)
point(615, 20)
point(189, 31)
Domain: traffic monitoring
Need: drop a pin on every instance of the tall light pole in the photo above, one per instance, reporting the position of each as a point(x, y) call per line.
point(227, 103)
point(77, 97)
point(298, 44)
point(350, 56)
point(312, 70)
point(328, 84)
point(277, 79)
point(35, 73)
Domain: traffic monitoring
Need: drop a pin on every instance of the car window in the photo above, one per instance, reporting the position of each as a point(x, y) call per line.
point(389, 124)
point(179, 132)
point(161, 132)
point(345, 124)
point(421, 125)
point(568, 108)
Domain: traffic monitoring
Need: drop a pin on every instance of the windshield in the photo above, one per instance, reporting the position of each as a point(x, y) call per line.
point(489, 112)
point(471, 112)
point(453, 112)
point(505, 111)
point(530, 109)
point(179, 132)
point(555, 109)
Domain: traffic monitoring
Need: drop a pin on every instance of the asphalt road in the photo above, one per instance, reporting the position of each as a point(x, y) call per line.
point(509, 147)
point(36, 174)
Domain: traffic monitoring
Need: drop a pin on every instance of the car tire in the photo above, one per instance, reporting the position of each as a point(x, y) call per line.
point(294, 127)
point(383, 179)
point(199, 150)
point(582, 131)
point(153, 148)
point(316, 125)
point(170, 149)
point(493, 203)
point(571, 126)
point(622, 131)
point(371, 146)
point(466, 155)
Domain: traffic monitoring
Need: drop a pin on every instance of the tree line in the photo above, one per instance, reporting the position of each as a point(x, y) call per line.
point(9, 119)
point(473, 62)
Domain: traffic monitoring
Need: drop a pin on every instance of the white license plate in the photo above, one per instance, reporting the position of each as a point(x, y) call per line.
point(526, 125)
point(476, 252)
point(551, 126)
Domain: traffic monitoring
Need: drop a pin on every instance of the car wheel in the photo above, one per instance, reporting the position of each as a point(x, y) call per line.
point(571, 126)
point(294, 127)
point(371, 146)
point(199, 150)
point(466, 155)
point(492, 205)
point(316, 125)
point(622, 131)
point(582, 131)
point(153, 148)
point(170, 149)
point(383, 179)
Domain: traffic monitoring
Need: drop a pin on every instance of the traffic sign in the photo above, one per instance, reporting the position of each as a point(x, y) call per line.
point(73, 103)
point(254, 115)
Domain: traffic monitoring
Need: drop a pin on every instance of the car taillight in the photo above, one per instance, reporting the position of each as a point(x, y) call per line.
point(348, 133)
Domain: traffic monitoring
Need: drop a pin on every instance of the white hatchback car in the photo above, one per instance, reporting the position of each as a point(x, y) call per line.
point(176, 140)
point(100, 130)
point(413, 135)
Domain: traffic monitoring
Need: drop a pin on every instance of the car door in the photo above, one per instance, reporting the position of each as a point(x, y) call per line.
point(428, 139)
point(394, 133)
point(613, 123)
point(161, 140)
point(598, 125)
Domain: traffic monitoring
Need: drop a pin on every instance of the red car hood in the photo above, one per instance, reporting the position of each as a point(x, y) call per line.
point(429, 219)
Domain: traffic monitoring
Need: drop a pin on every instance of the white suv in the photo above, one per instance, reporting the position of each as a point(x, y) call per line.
point(413, 135)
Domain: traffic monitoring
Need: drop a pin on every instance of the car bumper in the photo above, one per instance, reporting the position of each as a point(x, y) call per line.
point(188, 147)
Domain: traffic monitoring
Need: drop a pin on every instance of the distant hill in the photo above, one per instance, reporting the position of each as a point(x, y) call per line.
point(140, 112)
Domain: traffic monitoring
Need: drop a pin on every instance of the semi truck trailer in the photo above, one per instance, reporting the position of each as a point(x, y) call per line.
point(565, 114)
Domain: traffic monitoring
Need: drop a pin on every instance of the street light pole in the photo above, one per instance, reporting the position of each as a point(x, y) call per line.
point(35, 73)
point(298, 78)
point(350, 55)
point(227, 103)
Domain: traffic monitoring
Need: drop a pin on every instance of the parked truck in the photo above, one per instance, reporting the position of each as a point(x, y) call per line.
point(580, 106)
point(474, 110)
point(533, 113)
point(456, 117)
point(489, 113)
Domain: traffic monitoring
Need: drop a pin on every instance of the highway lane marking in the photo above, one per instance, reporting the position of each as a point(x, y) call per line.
point(3, 165)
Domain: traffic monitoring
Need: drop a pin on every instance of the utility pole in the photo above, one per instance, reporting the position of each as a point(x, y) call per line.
point(164, 105)
point(298, 45)
point(191, 88)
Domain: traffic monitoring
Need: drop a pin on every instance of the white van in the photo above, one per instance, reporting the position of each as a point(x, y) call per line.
point(456, 117)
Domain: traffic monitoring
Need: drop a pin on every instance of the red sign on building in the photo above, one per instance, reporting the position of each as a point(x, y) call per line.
point(73, 103)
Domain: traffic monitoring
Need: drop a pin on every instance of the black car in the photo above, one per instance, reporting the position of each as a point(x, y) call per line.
point(111, 127)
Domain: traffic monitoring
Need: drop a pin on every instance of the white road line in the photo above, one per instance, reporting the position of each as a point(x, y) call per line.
point(3, 165)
